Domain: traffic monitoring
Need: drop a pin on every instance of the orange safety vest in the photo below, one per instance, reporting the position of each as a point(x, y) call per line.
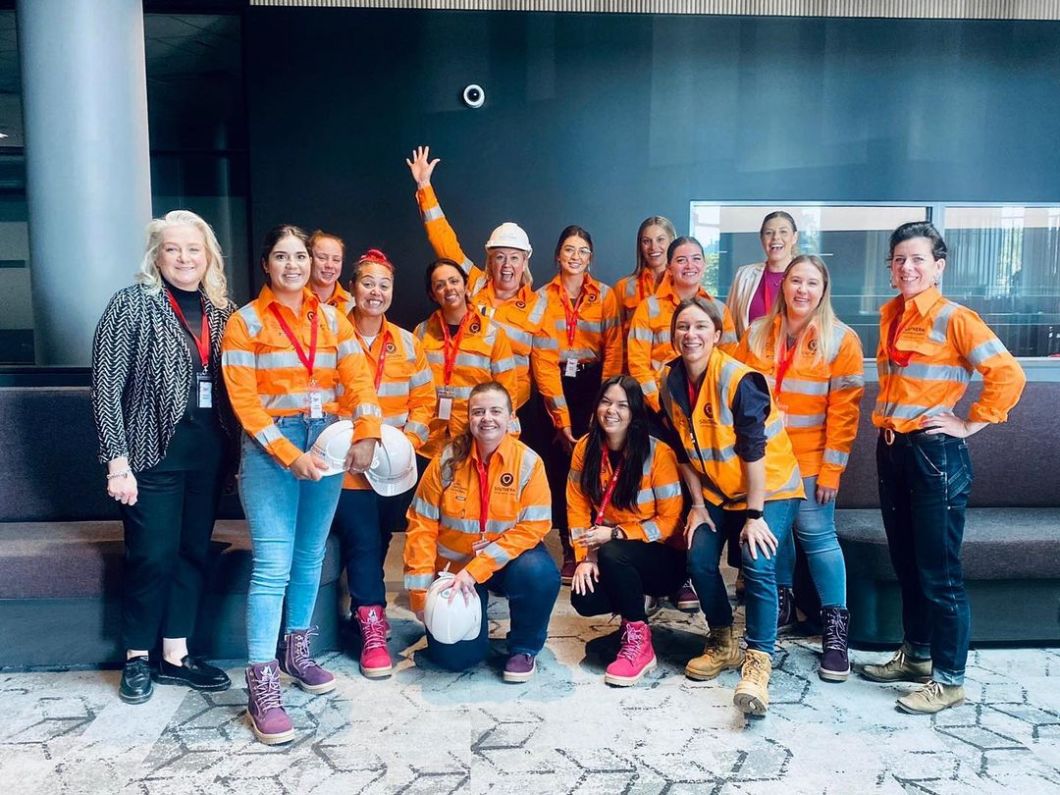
point(444, 525)
point(820, 400)
point(266, 378)
point(938, 345)
point(707, 434)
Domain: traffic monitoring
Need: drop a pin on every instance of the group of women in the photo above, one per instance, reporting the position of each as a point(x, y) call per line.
point(677, 425)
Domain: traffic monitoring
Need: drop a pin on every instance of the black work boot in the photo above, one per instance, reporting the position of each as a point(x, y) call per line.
point(835, 662)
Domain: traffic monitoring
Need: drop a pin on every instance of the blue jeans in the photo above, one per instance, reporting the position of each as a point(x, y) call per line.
point(815, 529)
point(924, 486)
point(289, 521)
point(531, 583)
point(364, 523)
point(759, 574)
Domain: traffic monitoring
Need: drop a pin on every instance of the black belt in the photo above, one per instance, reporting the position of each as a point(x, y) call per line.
point(892, 437)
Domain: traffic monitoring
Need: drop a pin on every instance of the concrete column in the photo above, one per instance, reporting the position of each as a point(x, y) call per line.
point(88, 178)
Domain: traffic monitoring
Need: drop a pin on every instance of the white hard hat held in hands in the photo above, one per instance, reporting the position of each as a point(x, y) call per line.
point(451, 622)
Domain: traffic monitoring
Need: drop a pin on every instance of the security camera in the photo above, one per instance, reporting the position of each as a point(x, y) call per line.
point(474, 96)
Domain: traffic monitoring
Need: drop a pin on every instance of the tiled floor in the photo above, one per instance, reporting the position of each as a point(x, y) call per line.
point(428, 731)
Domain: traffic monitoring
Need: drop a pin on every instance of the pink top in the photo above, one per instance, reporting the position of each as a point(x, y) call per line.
point(770, 285)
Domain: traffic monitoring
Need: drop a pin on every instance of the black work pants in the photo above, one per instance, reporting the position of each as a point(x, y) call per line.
point(629, 571)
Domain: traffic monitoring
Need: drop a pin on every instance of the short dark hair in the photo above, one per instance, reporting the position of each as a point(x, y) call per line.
point(698, 301)
point(435, 265)
point(924, 229)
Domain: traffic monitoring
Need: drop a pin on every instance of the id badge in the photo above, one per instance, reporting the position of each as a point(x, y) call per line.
point(480, 545)
point(445, 408)
point(204, 387)
point(571, 370)
point(316, 405)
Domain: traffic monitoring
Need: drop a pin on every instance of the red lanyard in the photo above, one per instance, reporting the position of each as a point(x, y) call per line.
point(605, 501)
point(572, 313)
point(483, 496)
point(787, 356)
point(202, 342)
point(451, 344)
point(379, 365)
point(306, 360)
point(900, 358)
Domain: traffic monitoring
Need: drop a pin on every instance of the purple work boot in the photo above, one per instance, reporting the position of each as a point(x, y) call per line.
point(268, 720)
point(520, 668)
point(297, 664)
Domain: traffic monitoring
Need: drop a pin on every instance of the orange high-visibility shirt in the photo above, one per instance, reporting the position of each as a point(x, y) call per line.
point(945, 343)
point(648, 346)
point(341, 299)
point(266, 378)
point(597, 338)
point(406, 390)
point(483, 355)
point(659, 500)
point(444, 515)
point(820, 400)
point(632, 291)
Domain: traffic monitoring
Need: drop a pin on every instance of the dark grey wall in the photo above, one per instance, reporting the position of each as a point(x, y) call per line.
point(601, 120)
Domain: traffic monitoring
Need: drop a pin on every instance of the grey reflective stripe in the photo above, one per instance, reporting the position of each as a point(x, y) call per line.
point(581, 354)
point(230, 358)
point(980, 353)
point(526, 468)
point(521, 361)
point(649, 458)
point(420, 377)
point(649, 387)
point(559, 402)
point(421, 331)
point(651, 530)
point(425, 509)
point(514, 426)
point(835, 457)
point(350, 347)
point(805, 420)
point(640, 334)
point(294, 400)
point(503, 365)
point(538, 311)
point(535, 513)
point(407, 341)
point(518, 335)
point(339, 390)
point(472, 360)
point(393, 388)
point(933, 372)
point(839, 330)
point(727, 384)
point(452, 554)
point(800, 386)
point(662, 335)
point(590, 326)
point(331, 314)
point(847, 382)
point(498, 553)
point(418, 582)
point(718, 454)
point(727, 337)
point(396, 420)
point(667, 490)
point(645, 495)
point(904, 411)
point(942, 322)
point(774, 428)
point(545, 344)
point(435, 357)
point(367, 410)
point(793, 482)
point(574, 476)
point(270, 433)
point(653, 306)
point(433, 213)
point(471, 525)
point(419, 429)
point(253, 321)
point(280, 359)
point(490, 337)
point(459, 392)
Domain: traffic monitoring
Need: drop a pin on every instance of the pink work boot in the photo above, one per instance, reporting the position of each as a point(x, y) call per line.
point(635, 658)
point(375, 658)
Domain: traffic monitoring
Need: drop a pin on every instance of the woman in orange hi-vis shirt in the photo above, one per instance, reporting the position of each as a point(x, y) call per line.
point(327, 252)
point(464, 349)
point(366, 520)
point(654, 236)
point(580, 344)
point(929, 347)
point(482, 510)
point(292, 367)
point(814, 365)
point(623, 503)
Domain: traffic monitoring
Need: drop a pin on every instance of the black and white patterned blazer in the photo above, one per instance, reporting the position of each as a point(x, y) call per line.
point(141, 375)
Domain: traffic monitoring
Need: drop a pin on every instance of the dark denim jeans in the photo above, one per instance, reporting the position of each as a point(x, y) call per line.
point(759, 574)
point(924, 486)
point(531, 583)
point(364, 523)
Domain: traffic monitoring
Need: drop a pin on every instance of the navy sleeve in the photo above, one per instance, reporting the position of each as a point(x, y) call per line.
point(661, 427)
point(750, 408)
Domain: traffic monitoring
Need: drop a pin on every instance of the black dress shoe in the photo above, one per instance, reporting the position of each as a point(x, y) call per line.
point(136, 685)
point(192, 673)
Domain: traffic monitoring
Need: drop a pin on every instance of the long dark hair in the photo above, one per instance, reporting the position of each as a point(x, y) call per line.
point(635, 452)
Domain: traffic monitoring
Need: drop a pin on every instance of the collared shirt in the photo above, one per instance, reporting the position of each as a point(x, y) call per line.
point(341, 300)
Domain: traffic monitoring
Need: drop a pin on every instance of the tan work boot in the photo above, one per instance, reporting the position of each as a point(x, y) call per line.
point(931, 698)
point(722, 653)
point(752, 693)
point(900, 668)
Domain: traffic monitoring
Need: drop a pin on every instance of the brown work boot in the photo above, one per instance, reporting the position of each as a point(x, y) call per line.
point(931, 698)
point(752, 693)
point(900, 668)
point(722, 653)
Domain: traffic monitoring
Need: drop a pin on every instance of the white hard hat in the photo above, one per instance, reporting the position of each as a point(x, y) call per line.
point(333, 445)
point(451, 622)
point(509, 235)
point(393, 469)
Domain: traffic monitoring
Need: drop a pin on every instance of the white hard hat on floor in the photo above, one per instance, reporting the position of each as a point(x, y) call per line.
point(509, 235)
point(393, 469)
point(451, 622)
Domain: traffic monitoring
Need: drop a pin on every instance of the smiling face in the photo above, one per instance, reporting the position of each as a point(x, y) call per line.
point(488, 414)
point(288, 265)
point(182, 257)
point(373, 290)
point(613, 414)
point(654, 241)
point(448, 288)
point(327, 261)
point(803, 289)
point(914, 267)
point(778, 241)
point(506, 267)
point(574, 257)
point(695, 335)
point(686, 266)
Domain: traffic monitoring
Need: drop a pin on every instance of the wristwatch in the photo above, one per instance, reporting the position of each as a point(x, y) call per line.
point(752, 513)
point(616, 534)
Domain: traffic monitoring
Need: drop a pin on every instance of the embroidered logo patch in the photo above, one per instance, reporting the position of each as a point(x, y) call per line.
point(520, 304)
point(475, 327)
point(507, 479)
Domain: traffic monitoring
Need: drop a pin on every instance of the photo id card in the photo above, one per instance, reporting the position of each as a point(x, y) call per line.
point(204, 387)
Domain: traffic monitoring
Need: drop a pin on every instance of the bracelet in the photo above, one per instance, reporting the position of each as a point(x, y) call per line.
point(701, 506)
point(122, 474)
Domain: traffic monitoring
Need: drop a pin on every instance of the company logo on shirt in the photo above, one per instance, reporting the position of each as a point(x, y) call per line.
point(475, 327)
point(507, 479)
point(390, 347)
point(520, 304)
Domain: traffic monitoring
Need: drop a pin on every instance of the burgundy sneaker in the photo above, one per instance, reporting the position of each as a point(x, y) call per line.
point(520, 668)
point(268, 719)
point(297, 664)
point(566, 573)
point(635, 658)
point(686, 599)
point(375, 657)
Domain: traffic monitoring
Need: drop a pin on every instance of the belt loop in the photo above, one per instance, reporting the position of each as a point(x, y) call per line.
point(888, 436)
